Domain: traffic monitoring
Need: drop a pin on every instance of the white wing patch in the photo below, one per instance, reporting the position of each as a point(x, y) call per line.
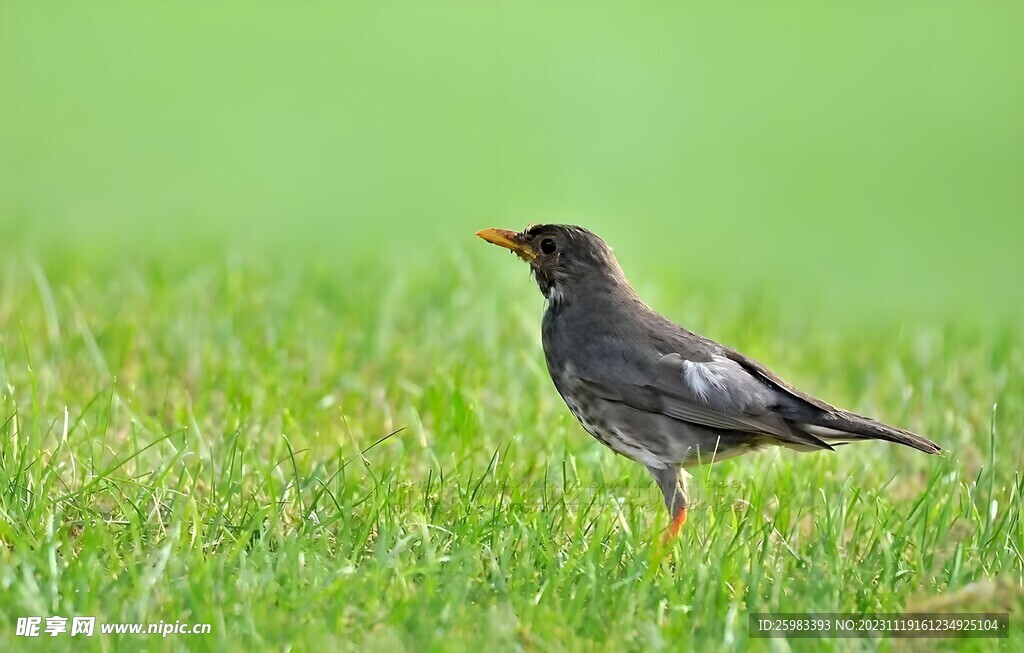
point(709, 380)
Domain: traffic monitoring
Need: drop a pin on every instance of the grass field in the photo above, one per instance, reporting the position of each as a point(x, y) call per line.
point(236, 253)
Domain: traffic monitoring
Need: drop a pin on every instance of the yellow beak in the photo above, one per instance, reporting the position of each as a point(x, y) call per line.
point(509, 240)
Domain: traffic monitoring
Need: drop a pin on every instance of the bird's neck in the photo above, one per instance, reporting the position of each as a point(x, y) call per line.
point(612, 287)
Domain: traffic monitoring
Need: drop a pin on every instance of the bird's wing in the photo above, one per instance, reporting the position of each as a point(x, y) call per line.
point(758, 370)
point(716, 392)
point(810, 414)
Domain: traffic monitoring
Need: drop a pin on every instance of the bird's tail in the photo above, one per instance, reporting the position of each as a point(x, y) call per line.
point(839, 426)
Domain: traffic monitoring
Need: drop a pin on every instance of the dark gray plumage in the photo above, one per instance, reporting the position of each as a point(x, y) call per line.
point(654, 391)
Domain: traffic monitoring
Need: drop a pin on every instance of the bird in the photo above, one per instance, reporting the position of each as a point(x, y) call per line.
point(655, 392)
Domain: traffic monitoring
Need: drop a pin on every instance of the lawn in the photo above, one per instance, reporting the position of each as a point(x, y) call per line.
point(256, 372)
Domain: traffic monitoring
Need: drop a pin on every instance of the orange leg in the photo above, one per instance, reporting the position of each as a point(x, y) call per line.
point(677, 525)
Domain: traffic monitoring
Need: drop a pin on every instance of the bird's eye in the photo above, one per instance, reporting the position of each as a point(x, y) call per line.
point(548, 246)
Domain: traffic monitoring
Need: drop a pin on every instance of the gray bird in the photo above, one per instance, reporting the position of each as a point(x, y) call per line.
point(655, 392)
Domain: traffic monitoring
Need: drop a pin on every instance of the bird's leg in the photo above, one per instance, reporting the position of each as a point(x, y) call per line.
point(677, 524)
point(672, 481)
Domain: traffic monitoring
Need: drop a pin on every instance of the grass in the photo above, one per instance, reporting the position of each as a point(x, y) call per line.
point(185, 444)
point(256, 372)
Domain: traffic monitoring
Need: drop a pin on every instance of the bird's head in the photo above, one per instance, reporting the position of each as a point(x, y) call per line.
point(565, 260)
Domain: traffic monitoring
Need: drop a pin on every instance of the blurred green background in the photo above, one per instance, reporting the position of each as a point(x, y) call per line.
point(236, 249)
point(864, 155)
